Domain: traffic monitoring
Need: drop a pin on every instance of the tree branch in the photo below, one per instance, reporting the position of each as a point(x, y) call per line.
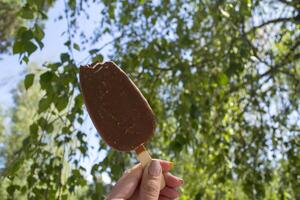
point(286, 60)
point(273, 21)
point(99, 49)
point(69, 30)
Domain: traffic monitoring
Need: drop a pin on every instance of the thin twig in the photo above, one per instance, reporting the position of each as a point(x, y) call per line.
point(69, 31)
point(273, 21)
point(102, 47)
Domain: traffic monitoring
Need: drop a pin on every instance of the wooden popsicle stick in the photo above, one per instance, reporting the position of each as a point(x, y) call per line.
point(144, 157)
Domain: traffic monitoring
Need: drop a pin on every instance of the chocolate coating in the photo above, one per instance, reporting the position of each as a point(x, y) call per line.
point(119, 111)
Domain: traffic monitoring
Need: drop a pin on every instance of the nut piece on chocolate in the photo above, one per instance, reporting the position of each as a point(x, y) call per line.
point(119, 111)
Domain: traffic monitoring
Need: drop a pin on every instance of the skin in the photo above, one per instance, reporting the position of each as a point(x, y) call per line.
point(139, 184)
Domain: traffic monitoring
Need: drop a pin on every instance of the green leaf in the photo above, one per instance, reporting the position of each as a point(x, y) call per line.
point(44, 104)
point(15, 165)
point(47, 76)
point(29, 47)
point(38, 32)
point(176, 146)
point(78, 101)
point(26, 35)
point(11, 189)
point(34, 129)
point(72, 4)
point(194, 111)
point(42, 122)
point(39, 35)
point(26, 12)
point(46, 79)
point(98, 58)
point(66, 130)
point(49, 128)
point(26, 141)
point(41, 45)
point(64, 197)
point(24, 46)
point(223, 79)
point(64, 57)
point(80, 120)
point(67, 43)
point(76, 46)
point(31, 180)
point(18, 47)
point(43, 14)
point(38, 3)
point(53, 66)
point(28, 81)
point(93, 51)
point(61, 103)
point(20, 31)
point(82, 149)
point(25, 59)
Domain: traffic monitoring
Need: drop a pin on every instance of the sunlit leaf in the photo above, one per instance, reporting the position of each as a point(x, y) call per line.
point(29, 79)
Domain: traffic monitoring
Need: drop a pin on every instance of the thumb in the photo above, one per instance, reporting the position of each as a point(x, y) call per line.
point(150, 185)
point(127, 184)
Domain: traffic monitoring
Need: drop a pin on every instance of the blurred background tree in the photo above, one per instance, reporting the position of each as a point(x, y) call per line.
point(9, 22)
point(222, 77)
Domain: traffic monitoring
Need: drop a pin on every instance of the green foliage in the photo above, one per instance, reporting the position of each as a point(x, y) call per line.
point(221, 77)
point(9, 23)
point(28, 80)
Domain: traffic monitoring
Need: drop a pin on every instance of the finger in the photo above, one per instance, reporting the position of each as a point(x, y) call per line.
point(127, 184)
point(165, 165)
point(150, 185)
point(169, 192)
point(172, 181)
point(163, 198)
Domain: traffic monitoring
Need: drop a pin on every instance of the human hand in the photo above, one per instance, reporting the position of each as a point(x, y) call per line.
point(139, 184)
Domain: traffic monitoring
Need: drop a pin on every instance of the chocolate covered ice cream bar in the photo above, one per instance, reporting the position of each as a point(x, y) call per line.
point(119, 111)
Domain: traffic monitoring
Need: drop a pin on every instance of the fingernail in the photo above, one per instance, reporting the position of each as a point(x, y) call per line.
point(154, 168)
